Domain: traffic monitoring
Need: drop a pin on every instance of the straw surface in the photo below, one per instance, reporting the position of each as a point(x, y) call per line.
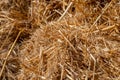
point(59, 40)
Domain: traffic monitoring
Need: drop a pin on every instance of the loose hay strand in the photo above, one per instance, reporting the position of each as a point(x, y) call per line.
point(106, 7)
point(68, 41)
point(65, 11)
point(8, 54)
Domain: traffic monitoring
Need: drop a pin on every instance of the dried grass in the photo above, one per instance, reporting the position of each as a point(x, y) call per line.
point(60, 40)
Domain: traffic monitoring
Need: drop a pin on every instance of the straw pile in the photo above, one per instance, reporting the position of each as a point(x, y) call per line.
point(59, 40)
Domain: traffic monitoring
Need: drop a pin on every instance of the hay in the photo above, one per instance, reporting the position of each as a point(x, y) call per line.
point(60, 39)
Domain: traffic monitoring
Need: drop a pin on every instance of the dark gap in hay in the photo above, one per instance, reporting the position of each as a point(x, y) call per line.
point(27, 30)
point(55, 5)
point(12, 69)
point(18, 10)
point(102, 3)
point(14, 65)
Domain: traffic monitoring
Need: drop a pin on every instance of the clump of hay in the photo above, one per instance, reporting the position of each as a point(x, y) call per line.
point(60, 40)
point(61, 51)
